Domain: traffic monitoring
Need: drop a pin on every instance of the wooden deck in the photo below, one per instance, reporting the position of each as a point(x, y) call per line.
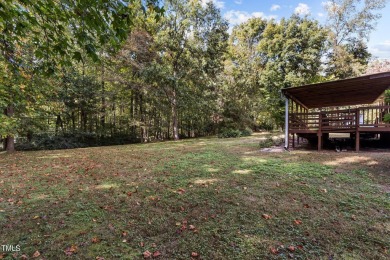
point(358, 120)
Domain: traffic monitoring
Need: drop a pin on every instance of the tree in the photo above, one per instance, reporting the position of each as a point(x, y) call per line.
point(350, 23)
point(242, 92)
point(56, 32)
point(190, 43)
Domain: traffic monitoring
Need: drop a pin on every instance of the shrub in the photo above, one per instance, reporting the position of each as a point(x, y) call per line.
point(246, 132)
point(234, 133)
point(386, 118)
point(271, 142)
point(229, 133)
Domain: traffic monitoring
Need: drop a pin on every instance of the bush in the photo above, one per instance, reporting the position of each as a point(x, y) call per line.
point(234, 133)
point(246, 132)
point(229, 133)
point(271, 142)
point(386, 118)
point(48, 141)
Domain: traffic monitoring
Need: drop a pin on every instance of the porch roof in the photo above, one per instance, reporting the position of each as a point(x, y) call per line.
point(355, 91)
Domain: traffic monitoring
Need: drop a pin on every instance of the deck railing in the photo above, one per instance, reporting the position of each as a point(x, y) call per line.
point(340, 120)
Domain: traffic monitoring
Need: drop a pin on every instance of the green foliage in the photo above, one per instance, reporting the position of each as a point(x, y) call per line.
point(234, 133)
point(229, 133)
point(350, 23)
point(386, 118)
point(8, 125)
point(387, 96)
point(58, 29)
point(271, 141)
point(264, 57)
point(49, 141)
point(246, 132)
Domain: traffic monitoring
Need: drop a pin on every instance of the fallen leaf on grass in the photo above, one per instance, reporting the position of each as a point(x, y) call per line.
point(353, 217)
point(181, 191)
point(99, 258)
point(95, 240)
point(291, 248)
point(300, 247)
point(194, 254)
point(274, 251)
point(298, 222)
point(142, 244)
point(191, 227)
point(156, 254)
point(71, 250)
point(147, 254)
point(266, 216)
point(323, 190)
point(36, 254)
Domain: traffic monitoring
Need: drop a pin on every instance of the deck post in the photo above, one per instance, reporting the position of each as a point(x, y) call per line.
point(319, 134)
point(357, 145)
point(286, 126)
point(357, 135)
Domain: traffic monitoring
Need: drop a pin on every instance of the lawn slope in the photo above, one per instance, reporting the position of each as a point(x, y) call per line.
point(202, 199)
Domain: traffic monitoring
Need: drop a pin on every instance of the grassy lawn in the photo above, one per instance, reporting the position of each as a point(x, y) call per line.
point(202, 199)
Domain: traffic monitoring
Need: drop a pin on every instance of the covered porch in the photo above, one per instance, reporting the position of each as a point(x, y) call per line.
point(351, 106)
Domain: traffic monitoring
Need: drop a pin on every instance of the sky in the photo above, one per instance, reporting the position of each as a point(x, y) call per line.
point(238, 11)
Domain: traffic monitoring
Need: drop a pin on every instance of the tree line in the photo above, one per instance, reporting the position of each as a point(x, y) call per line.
point(138, 71)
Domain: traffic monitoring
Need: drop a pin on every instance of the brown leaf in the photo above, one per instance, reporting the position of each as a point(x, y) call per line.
point(142, 244)
point(266, 216)
point(306, 206)
point(147, 254)
point(194, 254)
point(191, 227)
point(181, 191)
point(99, 258)
point(274, 251)
point(291, 248)
point(298, 222)
point(124, 234)
point(71, 250)
point(36, 254)
point(353, 217)
point(300, 247)
point(156, 254)
point(95, 240)
point(129, 193)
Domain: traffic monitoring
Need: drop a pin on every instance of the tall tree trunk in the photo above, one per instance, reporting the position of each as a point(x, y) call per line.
point(10, 140)
point(103, 110)
point(175, 129)
point(142, 119)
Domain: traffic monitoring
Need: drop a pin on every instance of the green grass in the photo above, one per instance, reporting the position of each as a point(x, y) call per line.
point(117, 202)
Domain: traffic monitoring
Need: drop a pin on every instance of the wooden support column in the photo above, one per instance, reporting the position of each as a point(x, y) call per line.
point(293, 140)
point(319, 134)
point(357, 135)
point(286, 126)
point(357, 145)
